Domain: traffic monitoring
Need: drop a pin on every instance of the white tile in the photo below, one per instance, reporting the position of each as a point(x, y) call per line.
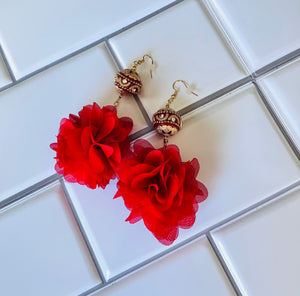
point(263, 30)
point(185, 45)
point(262, 249)
point(189, 271)
point(30, 113)
point(53, 29)
point(283, 90)
point(4, 76)
point(42, 251)
point(242, 156)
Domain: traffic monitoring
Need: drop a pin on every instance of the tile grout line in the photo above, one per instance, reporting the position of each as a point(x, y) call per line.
point(277, 63)
point(277, 120)
point(113, 54)
point(82, 231)
point(140, 133)
point(29, 190)
point(136, 97)
point(219, 93)
point(91, 45)
point(193, 238)
point(7, 86)
point(9, 69)
point(229, 40)
point(143, 110)
point(223, 264)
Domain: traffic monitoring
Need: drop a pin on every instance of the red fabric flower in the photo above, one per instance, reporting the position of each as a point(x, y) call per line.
point(160, 189)
point(90, 146)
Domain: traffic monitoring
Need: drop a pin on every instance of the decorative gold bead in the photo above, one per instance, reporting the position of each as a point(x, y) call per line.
point(128, 82)
point(167, 121)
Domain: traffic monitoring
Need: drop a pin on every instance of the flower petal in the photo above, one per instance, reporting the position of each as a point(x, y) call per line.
point(130, 168)
point(143, 180)
point(106, 128)
point(154, 157)
point(97, 159)
point(109, 109)
point(96, 118)
point(141, 148)
point(85, 114)
point(202, 192)
point(126, 124)
point(85, 138)
point(134, 216)
point(54, 146)
point(107, 150)
point(75, 120)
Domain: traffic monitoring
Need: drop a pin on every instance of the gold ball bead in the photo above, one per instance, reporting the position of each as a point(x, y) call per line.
point(167, 121)
point(128, 82)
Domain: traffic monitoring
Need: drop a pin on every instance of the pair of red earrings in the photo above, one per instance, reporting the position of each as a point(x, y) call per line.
point(156, 185)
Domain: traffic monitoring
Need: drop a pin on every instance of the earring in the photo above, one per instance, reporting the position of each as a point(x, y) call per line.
point(90, 146)
point(156, 185)
point(128, 81)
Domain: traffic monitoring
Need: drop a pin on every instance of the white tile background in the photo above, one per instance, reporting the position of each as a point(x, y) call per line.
point(266, 239)
point(42, 249)
point(51, 30)
point(263, 31)
point(64, 239)
point(170, 276)
point(282, 88)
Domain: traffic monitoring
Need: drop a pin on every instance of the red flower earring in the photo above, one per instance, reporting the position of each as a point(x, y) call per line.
point(156, 185)
point(90, 146)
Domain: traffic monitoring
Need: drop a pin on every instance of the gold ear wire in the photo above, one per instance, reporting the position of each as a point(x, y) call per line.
point(152, 62)
point(176, 90)
point(172, 98)
point(185, 84)
point(139, 62)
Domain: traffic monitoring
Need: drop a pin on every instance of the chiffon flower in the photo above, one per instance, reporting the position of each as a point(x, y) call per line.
point(90, 146)
point(160, 189)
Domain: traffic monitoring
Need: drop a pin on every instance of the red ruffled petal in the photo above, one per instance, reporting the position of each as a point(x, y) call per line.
point(127, 124)
point(154, 157)
point(141, 148)
point(134, 216)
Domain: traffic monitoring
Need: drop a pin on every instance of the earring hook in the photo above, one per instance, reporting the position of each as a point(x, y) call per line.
point(139, 62)
point(185, 84)
point(176, 90)
point(152, 62)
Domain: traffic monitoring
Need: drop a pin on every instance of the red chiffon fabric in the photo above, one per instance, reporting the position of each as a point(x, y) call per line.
point(90, 146)
point(160, 189)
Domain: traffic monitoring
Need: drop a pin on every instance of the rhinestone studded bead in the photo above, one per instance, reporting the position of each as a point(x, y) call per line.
point(167, 121)
point(128, 82)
